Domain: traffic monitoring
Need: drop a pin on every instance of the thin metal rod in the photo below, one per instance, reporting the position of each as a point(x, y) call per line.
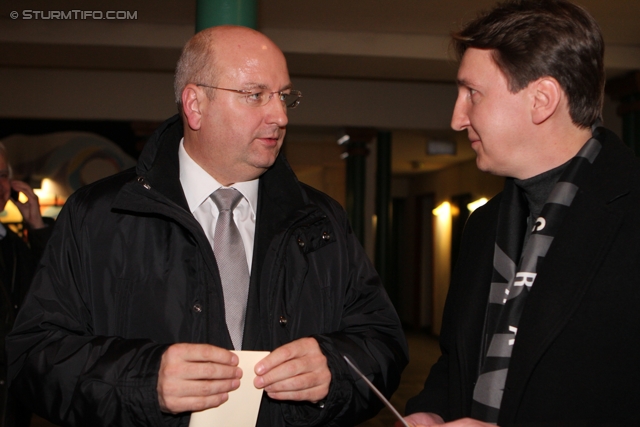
point(377, 392)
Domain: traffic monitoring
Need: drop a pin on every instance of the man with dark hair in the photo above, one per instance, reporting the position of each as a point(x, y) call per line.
point(211, 244)
point(541, 322)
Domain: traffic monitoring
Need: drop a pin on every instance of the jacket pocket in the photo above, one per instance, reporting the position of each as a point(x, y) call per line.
point(314, 236)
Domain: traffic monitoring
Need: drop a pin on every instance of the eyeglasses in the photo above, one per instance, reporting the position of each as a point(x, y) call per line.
point(289, 98)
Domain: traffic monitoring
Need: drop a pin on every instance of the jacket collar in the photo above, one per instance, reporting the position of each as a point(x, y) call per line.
point(159, 164)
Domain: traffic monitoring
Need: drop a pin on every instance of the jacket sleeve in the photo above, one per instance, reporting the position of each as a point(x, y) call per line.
point(369, 333)
point(58, 367)
point(38, 238)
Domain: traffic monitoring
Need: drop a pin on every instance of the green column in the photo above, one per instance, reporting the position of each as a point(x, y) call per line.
point(626, 91)
point(355, 153)
point(210, 13)
point(383, 259)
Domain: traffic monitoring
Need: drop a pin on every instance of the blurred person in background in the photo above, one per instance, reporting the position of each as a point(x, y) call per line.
point(18, 261)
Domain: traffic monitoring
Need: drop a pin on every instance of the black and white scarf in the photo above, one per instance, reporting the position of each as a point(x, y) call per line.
point(512, 280)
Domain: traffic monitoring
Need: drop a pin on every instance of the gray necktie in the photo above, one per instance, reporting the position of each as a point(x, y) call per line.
point(232, 263)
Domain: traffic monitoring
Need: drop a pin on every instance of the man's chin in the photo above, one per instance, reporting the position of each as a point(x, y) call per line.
point(264, 166)
point(260, 166)
point(267, 158)
point(481, 165)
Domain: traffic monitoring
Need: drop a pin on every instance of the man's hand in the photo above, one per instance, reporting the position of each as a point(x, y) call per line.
point(30, 209)
point(194, 377)
point(421, 419)
point(425, 419)
point(296, 371)
point(467, 422)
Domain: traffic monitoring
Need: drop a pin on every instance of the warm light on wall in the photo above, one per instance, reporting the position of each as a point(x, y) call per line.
point(444, 209)
point(11, 214)
point(476, 204)
point(442, 229)
point(48, 193)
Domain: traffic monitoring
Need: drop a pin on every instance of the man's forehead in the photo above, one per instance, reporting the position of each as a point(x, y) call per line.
point(259, 77)
point(468, 77)
point(254, 72)
point(475, 64)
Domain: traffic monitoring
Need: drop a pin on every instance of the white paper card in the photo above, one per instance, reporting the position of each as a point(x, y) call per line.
point(241, 410)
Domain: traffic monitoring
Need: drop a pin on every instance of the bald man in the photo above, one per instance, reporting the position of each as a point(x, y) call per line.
point(210, 244)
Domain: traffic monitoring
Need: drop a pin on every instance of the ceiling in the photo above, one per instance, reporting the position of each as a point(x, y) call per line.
point(366, 40)
point(399, 40)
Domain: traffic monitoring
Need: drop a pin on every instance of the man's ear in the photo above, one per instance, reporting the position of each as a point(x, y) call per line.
point(547, 95)
point(192, 97)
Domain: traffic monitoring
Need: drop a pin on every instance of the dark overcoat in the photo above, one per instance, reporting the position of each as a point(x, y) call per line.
point(576, 357)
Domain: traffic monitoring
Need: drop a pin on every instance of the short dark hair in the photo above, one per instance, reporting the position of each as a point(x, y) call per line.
point(537, 38)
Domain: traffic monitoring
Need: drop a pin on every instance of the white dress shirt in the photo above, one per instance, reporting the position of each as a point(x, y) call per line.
point(198, 185)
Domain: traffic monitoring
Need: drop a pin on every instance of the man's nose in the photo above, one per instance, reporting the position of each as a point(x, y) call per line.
point(459, 119)
point(276, 112)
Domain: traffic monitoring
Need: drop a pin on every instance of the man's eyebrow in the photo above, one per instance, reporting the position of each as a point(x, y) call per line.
point(263, 86)
point(463, 82)
point(252, 85)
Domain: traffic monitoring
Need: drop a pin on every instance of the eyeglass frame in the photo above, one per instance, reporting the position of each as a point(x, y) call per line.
point(251, 92)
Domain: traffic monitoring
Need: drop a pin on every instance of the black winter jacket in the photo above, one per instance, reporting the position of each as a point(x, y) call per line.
point(129, 271)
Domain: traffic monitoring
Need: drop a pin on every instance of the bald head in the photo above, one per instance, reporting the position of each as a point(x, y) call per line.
point(227, 132)
point(202, 53)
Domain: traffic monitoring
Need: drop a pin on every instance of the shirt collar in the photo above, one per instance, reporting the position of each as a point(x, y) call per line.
point(198, 185)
